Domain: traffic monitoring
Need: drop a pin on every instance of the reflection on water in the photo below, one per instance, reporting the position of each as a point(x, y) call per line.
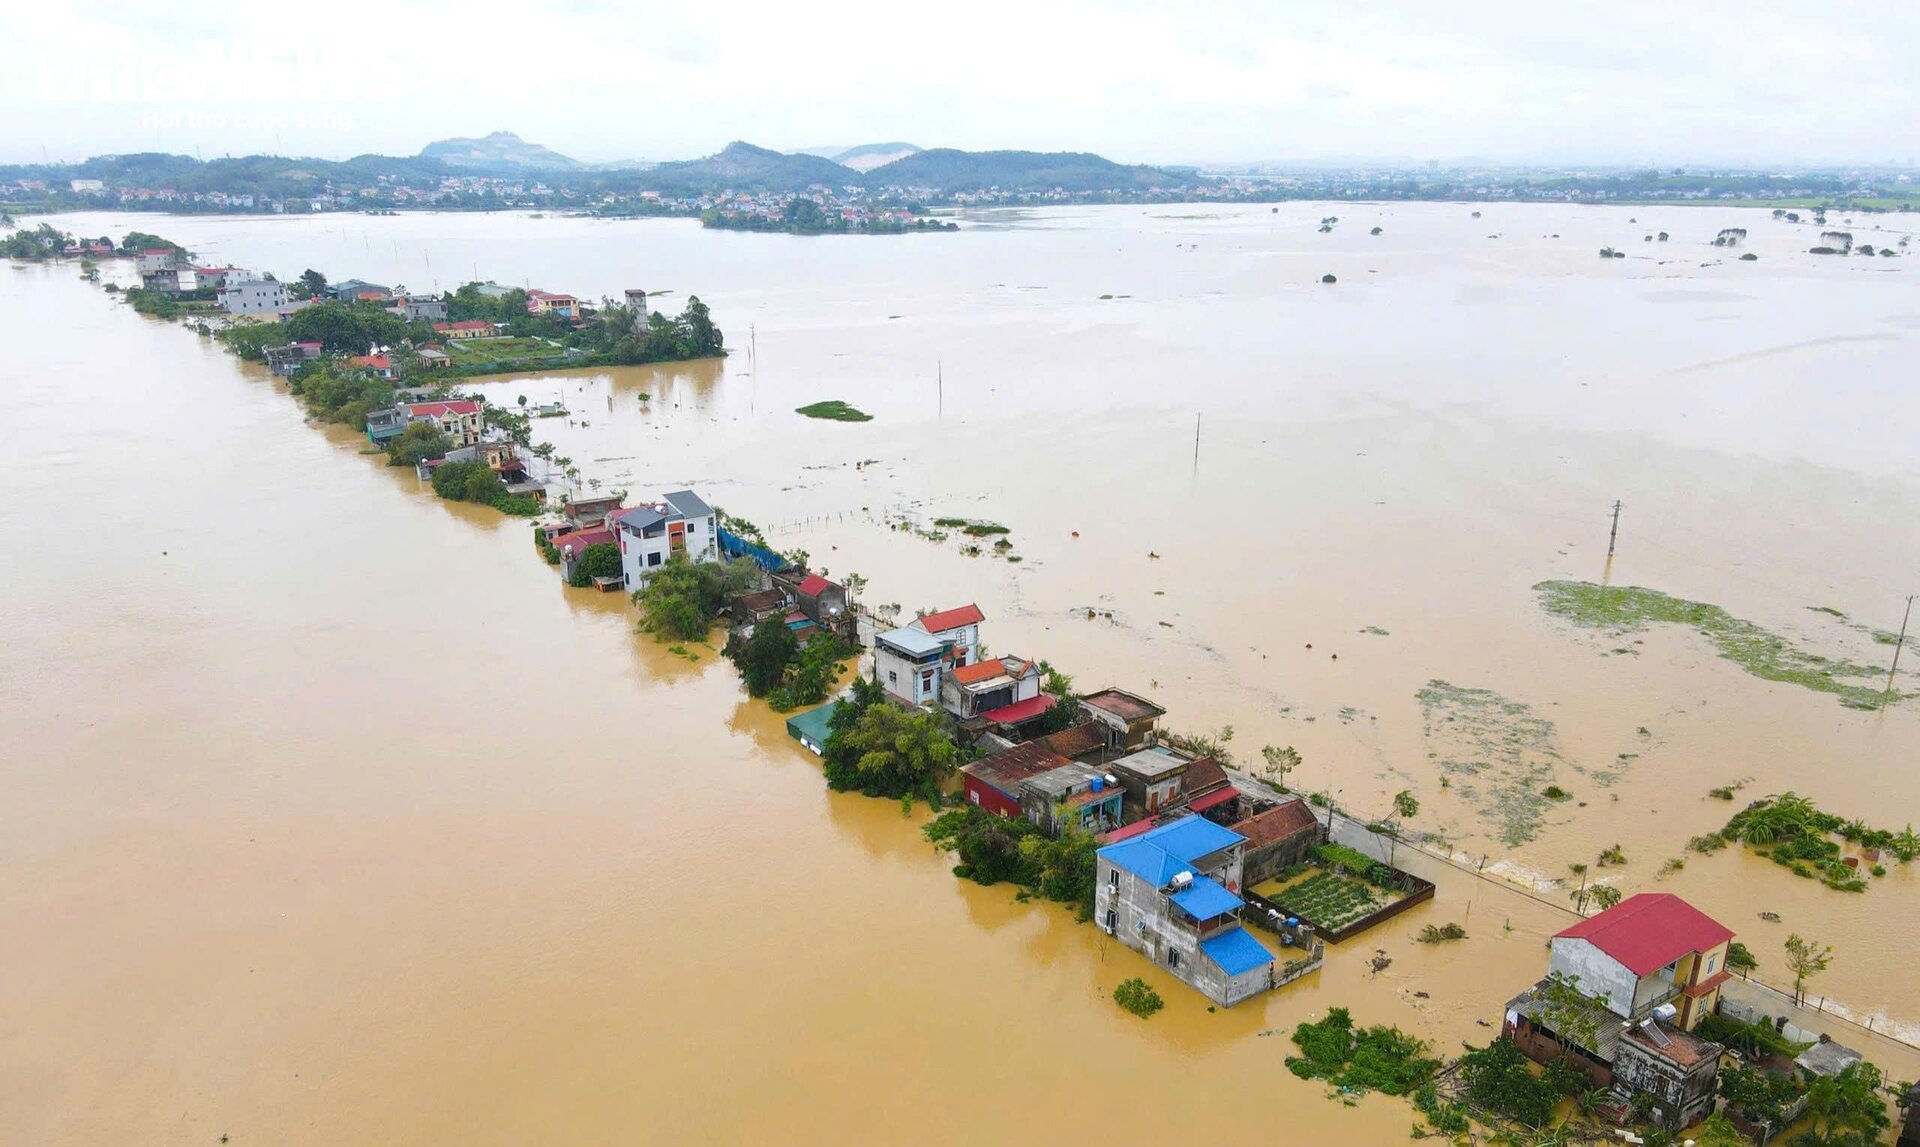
point(334, 817)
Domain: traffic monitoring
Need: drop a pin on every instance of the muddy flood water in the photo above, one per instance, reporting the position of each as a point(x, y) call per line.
point(328, 815)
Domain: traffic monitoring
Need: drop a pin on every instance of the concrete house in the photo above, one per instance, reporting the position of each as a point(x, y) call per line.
point(464, 329)
point(1651, 967)
point(549, 303)
point(423, 308)
point(460, 419)
point(651, 535)
point(1172, 894)
point(573, 546)
point(1278, 838)
point(1071, 794)
point(959, 628)
point(978, 690)
point(252, 296)
point(993, 782)
point(378, 364)
point(1153, 777)
point(590, 509)
point(823, 601)
point(1131, 721)
point(354, 290)
point(909, 663)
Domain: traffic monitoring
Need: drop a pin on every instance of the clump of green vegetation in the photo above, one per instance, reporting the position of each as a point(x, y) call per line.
point(1749, 1039)
point(1378, 1058)
point(1373, 631)
point(1673, 864)
point(1723, 793)
point(1708, 843)
point(1763, 654)
point(1610, 857)
point(1556, 793)
point(1500, 1078)
point(1501, 751)
point(1440, 934)
point(1138, 997)
point(833, 410)
point(1448, 1119)
point(983, 529)
point(1794, 833)
point(950, 523)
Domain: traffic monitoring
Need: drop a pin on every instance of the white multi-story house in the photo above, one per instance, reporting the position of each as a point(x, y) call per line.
point(913, 661)
point(959, 628)
point(679, 524)
point(252, 296)
point(1172, 894)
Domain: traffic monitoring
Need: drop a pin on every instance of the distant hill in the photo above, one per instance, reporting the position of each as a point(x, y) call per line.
point(1075, 171)
point(868, 156)
point(502, 149)
point(744, 167)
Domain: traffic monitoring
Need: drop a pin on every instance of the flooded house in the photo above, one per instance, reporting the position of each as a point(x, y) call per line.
point(592, 509)
point(750, 609)
point(985, 687)
point(957, 628)
point(909, 663)
point(1278, 838)
point(1649, 968)
point(1131, 721)
point(1172, 894)
point(823, 601)
point(812, 727)
point(679, 525)
point(1046, 789)
point(573, 546)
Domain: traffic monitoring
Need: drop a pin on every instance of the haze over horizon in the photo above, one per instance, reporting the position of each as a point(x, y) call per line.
point(1499, 81)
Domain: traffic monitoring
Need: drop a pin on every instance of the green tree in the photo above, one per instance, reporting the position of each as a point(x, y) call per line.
point(1063, 868)
point(1604, 896)
point(602, 559)
point(470, 481)
point(892, 752)
point(342, 328)
point(988, 846)
point(812, 672)
point(1849, 1104)
point(1279, 762)
point(704, 339)
point(1572, 1014)
point(1806, 959)
point(763, 656)
point(417, 443)
point(310, 285)
point(1740, 958)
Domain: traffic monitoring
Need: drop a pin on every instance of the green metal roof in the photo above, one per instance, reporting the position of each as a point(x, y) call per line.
point(812, 724)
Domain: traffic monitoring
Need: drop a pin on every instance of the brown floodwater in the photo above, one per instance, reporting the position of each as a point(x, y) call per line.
point(330, 816)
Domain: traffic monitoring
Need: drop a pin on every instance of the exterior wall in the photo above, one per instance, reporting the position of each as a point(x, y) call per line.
point(1542, 1048)
point(966, 641)
point(989, 798)
point(1696, 970)
point(1262, 863)
point(641, 555)
point(1137, 914)
point(904, 678)
point(830, 604)
point(1600, 975)
point(1681, 1097)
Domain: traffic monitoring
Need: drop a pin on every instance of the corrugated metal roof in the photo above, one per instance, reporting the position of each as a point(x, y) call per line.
point(1158, 854)
point(946, 619)
point(813, 723)
point(1236, 951)
point(1205, 898)
point(688, 504)
point(914, 642)
point(1648, 931)
point(1020, 711)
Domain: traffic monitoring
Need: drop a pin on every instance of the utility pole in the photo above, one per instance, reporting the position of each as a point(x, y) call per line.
point(1901, 640)
point(1196, 441)
point(1615, 533)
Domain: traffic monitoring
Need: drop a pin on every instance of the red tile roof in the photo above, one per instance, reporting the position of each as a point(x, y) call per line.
point(436, 409)
point(1204, 775)
point(1145, 824)
point(376, 361)
point(951, 619)
point(812, 584)
point(581, 539)
point(1020, 711)
point(1277, 824)
point(1122, 704)
point(1074, 742)
point(1649, 931)
point(979, 671)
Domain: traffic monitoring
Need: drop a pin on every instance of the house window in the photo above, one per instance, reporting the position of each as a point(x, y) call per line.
point(1113, 880)
point(973, 796)
point(1113, 919)
point(1711, 961)
point(892, 677)
point(653, 559)
point(1173, 958)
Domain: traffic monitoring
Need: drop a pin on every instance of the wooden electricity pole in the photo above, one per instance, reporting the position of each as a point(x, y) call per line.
point(1614, 534)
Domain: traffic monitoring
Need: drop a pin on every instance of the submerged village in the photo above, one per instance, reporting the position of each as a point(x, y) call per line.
point(1643, 1024)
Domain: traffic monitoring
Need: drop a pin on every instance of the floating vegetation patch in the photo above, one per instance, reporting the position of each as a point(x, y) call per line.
point(834, 410)
point(1766, 655)
point(1373, 631)
point(1496, 752)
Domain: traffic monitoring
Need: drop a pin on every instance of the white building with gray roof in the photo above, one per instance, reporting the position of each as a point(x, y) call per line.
point(650, 535)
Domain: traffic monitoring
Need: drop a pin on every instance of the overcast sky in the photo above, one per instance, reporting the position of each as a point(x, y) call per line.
point(1671, 81)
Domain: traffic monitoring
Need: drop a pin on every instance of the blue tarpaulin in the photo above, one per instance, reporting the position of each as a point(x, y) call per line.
point(735, 546)
point(1236, 952)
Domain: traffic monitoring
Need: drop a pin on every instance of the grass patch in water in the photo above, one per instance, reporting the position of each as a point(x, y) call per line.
point(833, 410)
point(1500, 751)
point(1766, 655)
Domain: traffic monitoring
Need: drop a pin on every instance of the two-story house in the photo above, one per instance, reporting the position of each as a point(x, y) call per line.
point(550, 303)
point(909, 663)
point(977, 690)
point(1644, 973)
point(460, 419)
point(1129, 720)
point(1172, 894)
point(959, 628)
point(651, 535)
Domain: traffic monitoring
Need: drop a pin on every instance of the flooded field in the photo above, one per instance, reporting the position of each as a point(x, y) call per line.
point(329, 815)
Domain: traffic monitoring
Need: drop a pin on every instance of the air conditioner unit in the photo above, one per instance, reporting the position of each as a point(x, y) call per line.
point(1181, 880)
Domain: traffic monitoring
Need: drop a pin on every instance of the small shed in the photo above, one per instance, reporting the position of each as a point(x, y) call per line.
point(812, 727)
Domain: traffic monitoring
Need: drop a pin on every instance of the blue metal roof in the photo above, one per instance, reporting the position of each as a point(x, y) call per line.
point(1159, 855)
point(1205, 898)
point(1236, 951)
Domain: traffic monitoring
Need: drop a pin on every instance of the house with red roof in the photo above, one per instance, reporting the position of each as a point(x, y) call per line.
point(958, 629)
point(464, 329)
point(824, 602)
point(379, 364)
point(460, 419)
point(551, 303)
point(993, 685)
point(1649, 968)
